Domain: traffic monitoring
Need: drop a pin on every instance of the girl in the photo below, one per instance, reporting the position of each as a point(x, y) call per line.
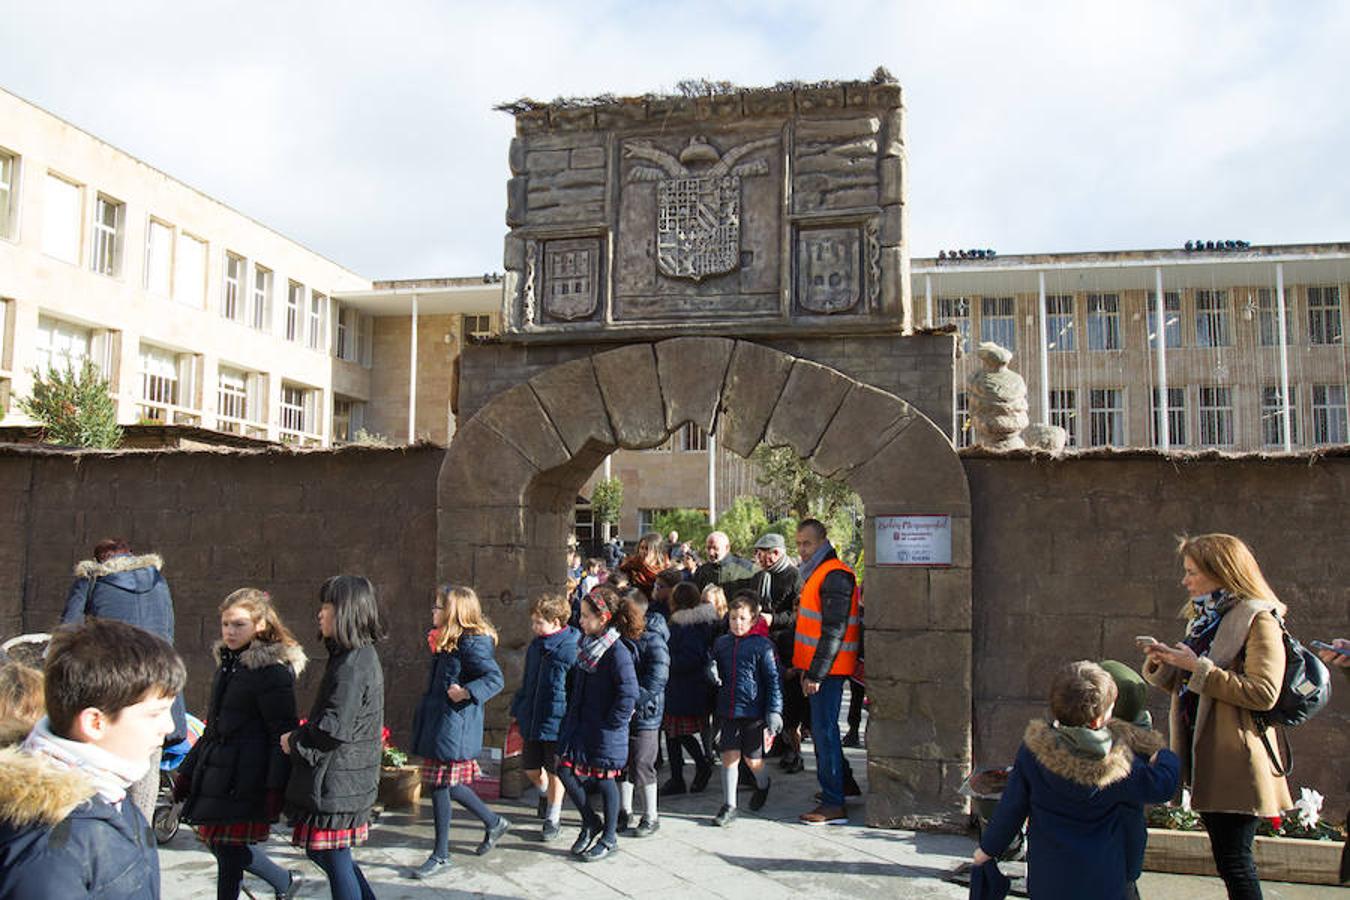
point(448, 724)
point(594, 741)
point(647, 561)
point(335, 755)
point(652, 660)
point(234, 778)
point(693, 626)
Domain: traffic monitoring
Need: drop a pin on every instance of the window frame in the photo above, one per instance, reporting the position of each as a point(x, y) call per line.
point(1176, 417)
point(1103, 324)
point(106, 240)
point(1323, 411)
point(1267, 318)
point(1061, 338)
point(1106, 420)
point(1215, 416)
point(1172, 326)
point(1065, 415)
point(1213, 326)
point(10, 185)
point(76, 242)
point(232, 292)
point(260, 301)
point(1325, 317)
point(956, 311)
point(1004, 319)
point(295, 302)
point(1272, 417)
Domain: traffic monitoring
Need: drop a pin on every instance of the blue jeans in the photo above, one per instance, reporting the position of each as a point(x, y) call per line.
point(825, 705)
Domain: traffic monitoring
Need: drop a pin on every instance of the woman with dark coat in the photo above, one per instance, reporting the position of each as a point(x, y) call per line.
point(652, 661)
point(335, 755)
point(234, 778)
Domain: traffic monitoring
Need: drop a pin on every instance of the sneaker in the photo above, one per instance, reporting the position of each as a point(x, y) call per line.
point(676, 786)
point(851, 738)
point(599, 850)
point(432, 867)
point(622, 820)
point(583, 841)
point(760, 795)
point(551, 831)
point(825, 815)
point(297, 882)
point(701, 779)
point(492, 834)
point(647, 827)
point(725, 816)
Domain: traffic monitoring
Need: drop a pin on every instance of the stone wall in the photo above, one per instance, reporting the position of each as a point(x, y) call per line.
point(1074, 557)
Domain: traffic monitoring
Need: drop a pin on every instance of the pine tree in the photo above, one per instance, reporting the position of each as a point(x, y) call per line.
point(75, 409)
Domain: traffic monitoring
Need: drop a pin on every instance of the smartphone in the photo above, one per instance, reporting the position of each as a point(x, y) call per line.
point(1323, 645)
point(1145, 640)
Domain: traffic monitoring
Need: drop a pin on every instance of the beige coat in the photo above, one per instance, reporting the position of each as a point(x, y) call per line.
point(1224, 760)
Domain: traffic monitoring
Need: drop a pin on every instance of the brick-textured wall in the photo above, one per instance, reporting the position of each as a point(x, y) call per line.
point(1074, 557)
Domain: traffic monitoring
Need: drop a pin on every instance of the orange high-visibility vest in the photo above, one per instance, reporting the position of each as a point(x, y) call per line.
point(809, 621)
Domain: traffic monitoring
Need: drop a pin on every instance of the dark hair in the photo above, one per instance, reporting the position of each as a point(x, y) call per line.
point(618, 579)
point(356, 617)
point(624, 616)
point(746, 598)
point(107, 548)
point(631, 616)
point(551, 607)
point(685, 596)
point(106, 665)
point(816, 526)
point(1080, 692)
point(671, 576)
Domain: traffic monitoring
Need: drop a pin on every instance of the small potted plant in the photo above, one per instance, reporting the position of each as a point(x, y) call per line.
point(400, 783)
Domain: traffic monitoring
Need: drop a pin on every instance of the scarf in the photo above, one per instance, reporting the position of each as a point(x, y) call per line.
point(109, 774)
point(1209, 611)
point(1091, 743)
point(808, 566)
point(766, 580)
point(594, 647)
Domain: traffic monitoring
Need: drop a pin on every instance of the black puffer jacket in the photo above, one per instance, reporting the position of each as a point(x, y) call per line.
point(238, 760)
point(335, 755)
point(652, 660)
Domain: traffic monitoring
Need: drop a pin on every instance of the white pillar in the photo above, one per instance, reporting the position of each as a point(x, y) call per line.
point(1286, 429)
point(1160, 354)
point(928, 296)
point(412, 375)
point(607, 472)
point(1045, 353)
point(712, 479)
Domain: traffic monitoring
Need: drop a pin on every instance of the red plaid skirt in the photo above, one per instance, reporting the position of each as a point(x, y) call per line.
point(682, 726)
point(233, 833)
point(584, 771)
point(449, 772)
point(312, 838)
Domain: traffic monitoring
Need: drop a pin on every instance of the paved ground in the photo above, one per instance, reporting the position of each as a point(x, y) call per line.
point(762, 855)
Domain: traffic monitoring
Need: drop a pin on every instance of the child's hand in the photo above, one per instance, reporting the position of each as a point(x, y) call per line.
point(286, 742)
point(980, 857)
point(713, 674)
point(774, 723)
point(457, 693)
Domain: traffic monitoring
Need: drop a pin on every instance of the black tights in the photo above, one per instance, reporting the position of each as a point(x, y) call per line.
point(233, 860)
point(346, 881)
point(674, 749)
point(442, 812)
point(609, 795)
point(1230, 840)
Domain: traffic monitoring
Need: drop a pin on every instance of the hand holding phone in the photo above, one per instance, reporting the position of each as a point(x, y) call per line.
point(1144, 641)
point(1323, 645)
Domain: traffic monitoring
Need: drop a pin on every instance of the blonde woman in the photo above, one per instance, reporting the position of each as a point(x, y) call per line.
point(1229, 666)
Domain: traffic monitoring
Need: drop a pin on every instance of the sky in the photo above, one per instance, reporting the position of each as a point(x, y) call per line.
point(366, 131)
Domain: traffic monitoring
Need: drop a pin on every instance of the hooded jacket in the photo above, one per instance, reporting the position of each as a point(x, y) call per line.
point(444, 729)
point(61, 840)
point(1082, 810)
point(751, 687)
point(692, 632)
point(541, 701)
point(238, 759)
point(599, 705)
point(652, 665)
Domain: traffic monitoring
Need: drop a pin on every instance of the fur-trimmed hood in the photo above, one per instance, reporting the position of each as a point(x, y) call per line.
point(13, 732)
point(36, 791)
point(1127, 741)
point(703, 614)
point(90, 568)
point(260, 654)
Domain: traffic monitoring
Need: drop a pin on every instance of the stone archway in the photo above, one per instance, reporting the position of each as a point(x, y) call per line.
point(511, 476)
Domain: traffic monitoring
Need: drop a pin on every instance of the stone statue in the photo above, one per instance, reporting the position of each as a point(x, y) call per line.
point(998, 401)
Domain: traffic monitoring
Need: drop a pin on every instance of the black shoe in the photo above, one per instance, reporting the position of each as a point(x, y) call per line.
point(851, 739)
point(599, 850)
point(725, 816)
point(701, 779)
point(851, 788)
point(793, 764)
point(551, 832)
point(583, 841)
point(432, 867)
point(297, 882)
point(760, 795)
point(647, 828)
point(674, 786)
point(491, 836)
point(621, 821)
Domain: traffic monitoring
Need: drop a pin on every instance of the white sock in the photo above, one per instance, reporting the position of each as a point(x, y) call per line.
point(761, 778)
point(626, 796)
point(729, 775)
point(554, 813)
point(649, 802)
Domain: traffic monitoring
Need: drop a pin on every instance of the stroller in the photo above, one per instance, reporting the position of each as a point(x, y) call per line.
point(165, 820)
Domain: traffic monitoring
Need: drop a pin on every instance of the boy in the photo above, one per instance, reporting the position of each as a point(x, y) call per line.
point(67, 827)
point(749, 699)
point(539, 705)
point(1079, 780)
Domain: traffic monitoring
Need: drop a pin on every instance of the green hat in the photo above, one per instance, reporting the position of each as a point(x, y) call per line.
point(1132, 691)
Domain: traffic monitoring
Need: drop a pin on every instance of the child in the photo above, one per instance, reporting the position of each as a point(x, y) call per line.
point(1080, 782)
point(21, 703)
point(693, 627)
point(335, 755)
point(235, 776)
point(448, 724)
point(594, 737)
point(652, 657)
point(1131, 708)
point(68, 827)
point(749, 700)
point(540, 703)
point(661, 590)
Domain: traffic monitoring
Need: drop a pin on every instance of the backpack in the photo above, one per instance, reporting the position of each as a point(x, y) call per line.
point(1305, 690)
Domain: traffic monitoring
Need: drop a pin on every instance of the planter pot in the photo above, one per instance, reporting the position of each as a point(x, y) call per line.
point(1277, 858)
point(400, 786)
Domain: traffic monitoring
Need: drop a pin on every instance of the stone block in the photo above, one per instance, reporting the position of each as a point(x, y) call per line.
point(914, 722)
point(937, 657)
point(454, 559)
point(517, 416)
point(498, 569)
point(582, 119)
point(897, 597)
point(838, 129)
point(626, 113)
point(691, 371)
point(820, 101)
point(754, 383)
point(809, 401)
point(910, 793)
point(486, 525)
point(887, 95)
point(949, 598)
point(758, 104)
point(517, 200)
point(546, 162)
point(894, 286)
point(868, 419)
point(513, 255)
point(531, 122)
point(632, 393)
point(515, 156)
point(482, 468)
point(892, 231)
point(588, 158)
point(885, 485)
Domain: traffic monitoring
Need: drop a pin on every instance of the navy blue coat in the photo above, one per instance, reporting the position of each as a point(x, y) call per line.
point(599, 705)
point(442, 728)
point(751, 686)
point(51, 851)
point(1082, 812)
point(653, 672)
point(541, 701)
point(692, 632)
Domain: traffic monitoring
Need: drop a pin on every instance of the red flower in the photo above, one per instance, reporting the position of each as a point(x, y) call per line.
point(1276, 822)
point(384, 736)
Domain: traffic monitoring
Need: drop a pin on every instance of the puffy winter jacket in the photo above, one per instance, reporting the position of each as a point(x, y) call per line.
point(692, 632)
point(652, 664)
point(750, 688)
point(541, 701)
point(599, 705)
point(442, 728)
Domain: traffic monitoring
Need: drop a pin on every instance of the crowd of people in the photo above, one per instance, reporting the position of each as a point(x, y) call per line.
point(732, 661)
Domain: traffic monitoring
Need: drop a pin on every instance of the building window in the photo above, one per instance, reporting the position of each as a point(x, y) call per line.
point(691, 438)
point(295, 294)
point(1059, 322)
point(63, 202)
point(61, 345)
point(475, 328)
point(9, 194)
point(1329, 414)
point(232, 399)
point(232, 302)
point(353, 334)
point(109, 227)
point(1324, 315)
point(260, 306)
point(314, 333)
point(963, 433)
point(647, 520)
point(348, 419)
point(583, 525)
point(1269, 325)
point(997, 321)
point(189, 271)
point(298, 415)
point(1216, 416)
point(159, 382)
point(1211, 319)
point(1103, 324)
point(1106, 417)
point(1064, 413)
point(1176, 418)
point(159, 258)
point(1171, 319)
point(956, 311)
point(1272, 418)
